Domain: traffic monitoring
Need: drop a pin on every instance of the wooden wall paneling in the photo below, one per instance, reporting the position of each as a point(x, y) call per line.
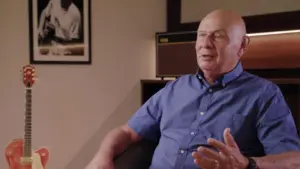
point(255, 23)
point(269, 56)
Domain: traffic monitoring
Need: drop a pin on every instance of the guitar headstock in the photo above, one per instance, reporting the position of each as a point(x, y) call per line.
point(29, 76)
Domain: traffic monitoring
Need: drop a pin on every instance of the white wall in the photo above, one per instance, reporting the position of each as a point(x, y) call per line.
point(73, 106)
point(195, 10)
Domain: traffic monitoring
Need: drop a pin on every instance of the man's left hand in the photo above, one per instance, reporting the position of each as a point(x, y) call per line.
point(228, 157)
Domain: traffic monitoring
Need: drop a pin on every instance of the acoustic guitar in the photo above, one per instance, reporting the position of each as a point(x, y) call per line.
point(18, 153)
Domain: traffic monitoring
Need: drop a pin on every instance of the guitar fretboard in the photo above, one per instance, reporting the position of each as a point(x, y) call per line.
point(28, 125)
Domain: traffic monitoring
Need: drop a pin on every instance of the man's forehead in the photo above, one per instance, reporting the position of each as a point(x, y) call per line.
point(221, 21)
point(213, 25)
point(212, 28)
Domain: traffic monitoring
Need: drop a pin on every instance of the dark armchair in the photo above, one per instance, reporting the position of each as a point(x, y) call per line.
point(137, 156)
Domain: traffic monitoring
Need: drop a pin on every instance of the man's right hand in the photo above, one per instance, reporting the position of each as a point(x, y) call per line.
point(115, 142)
point(103, 165)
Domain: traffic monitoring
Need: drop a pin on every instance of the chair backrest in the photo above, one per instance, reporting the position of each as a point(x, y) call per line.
point(137, 156)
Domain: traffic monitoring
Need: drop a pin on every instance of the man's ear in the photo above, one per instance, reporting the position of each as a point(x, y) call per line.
point(246, 41)
point(244, 45)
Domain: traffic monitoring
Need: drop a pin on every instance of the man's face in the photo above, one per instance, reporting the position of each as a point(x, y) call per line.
point(217, 46)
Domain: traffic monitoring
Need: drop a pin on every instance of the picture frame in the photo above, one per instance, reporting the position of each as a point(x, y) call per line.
point(60, 32)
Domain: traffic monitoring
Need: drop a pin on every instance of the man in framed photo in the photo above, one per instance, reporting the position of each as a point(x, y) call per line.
point(60, 25)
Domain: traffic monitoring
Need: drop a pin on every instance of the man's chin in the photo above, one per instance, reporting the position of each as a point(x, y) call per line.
point(207, 67)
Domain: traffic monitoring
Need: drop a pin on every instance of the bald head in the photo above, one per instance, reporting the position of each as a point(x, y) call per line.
point(226, 20)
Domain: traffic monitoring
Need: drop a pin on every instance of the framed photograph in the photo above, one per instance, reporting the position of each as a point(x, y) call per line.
point(60, 31)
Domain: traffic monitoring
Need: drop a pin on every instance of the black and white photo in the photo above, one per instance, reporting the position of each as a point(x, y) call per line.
point(60, 31)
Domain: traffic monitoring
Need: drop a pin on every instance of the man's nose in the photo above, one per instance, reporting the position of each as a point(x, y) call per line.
point(205, 42)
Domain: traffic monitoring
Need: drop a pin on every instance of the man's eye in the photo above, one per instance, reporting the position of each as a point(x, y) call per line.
point(218, 35)
point(201, 34)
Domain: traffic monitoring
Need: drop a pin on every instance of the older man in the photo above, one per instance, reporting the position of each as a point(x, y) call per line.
point(192, 112)
point(64, 17)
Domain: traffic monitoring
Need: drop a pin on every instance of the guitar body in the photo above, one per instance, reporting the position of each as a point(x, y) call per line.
point(14, 155)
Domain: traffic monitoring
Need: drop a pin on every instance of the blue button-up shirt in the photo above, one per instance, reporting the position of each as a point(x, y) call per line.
point(188, 111)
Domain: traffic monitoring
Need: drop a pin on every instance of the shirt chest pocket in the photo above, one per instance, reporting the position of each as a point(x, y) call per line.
point(215, 128)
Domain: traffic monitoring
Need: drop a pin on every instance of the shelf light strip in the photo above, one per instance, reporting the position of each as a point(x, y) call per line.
point(273, 33)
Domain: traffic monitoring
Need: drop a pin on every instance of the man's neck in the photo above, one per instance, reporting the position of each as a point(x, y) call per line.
point(210, 79)
point(212, 76)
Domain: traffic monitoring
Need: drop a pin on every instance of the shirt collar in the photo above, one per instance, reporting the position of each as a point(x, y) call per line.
point(226, 78)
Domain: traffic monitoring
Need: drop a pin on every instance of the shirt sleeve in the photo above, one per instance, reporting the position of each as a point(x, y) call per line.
point(276, 127)
point(147, 118)
point(75, 28)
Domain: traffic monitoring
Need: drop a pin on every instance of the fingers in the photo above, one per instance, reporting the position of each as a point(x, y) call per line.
point(219, 145)
point(208, 153)
point(213, 155)
point(227, 157)
point(229, 140)
point(203, 162)
point(223, 147)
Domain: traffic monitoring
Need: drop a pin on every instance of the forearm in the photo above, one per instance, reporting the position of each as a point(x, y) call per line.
point(289, 160)
point(113, 144)
point(75, 30)
point(42, 21)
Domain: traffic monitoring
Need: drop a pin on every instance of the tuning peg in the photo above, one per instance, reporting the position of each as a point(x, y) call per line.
point(35, 78)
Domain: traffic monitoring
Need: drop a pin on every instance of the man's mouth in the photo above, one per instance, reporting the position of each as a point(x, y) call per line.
point(207, 57)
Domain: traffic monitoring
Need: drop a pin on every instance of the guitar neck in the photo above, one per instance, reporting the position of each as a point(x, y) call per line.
point(28, 125)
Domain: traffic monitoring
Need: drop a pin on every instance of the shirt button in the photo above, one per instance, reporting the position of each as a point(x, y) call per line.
point(201, 113)
point(192, 133)
point(210, 90)
point(181, 151)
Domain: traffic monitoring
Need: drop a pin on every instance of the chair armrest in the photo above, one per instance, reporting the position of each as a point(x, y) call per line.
point(136, 156)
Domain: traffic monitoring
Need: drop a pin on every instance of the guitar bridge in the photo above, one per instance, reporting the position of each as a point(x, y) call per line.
point(26, 160)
